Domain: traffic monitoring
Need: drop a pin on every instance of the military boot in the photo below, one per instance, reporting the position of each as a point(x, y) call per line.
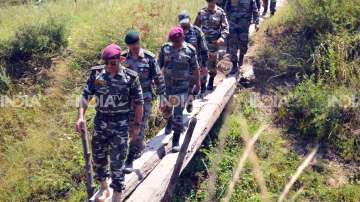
point(129, 165)
point(234, 69)
point(175, 143)
point(168, 128)
point(116, 196)
point(104, 192)
point(210, 85)
point(203, 89)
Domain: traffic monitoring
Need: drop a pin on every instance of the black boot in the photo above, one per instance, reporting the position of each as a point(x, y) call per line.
point(272, 8)
point(203, 89)
point(175, 143)
point(235, 69)
point(241, 60)
point(189, 106)
point(210, 85)
point(129, 165)
point(168, 128)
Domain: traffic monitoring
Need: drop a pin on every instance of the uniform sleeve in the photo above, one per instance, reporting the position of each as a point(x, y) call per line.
point(89, 89)
point(224, 26)
point(157, 77)
point(198, 20)
point(203, 50)
point(136, 93)
point(161, 58)
point(194, 65)
point(255, 13)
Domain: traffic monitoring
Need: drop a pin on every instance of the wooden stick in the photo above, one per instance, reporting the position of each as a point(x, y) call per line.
point(90, 187)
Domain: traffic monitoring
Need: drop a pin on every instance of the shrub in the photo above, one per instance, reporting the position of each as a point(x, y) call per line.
point(33, 47)
point(321, 114)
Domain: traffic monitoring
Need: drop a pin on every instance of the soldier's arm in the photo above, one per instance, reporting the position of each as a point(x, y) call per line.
point(195, 71)
point(255, 13)
point(161, 58)
point(89, 90)
point(157, 77)
point(224, 26)
point(198, 20)
point(203, 50)
point(136, 97)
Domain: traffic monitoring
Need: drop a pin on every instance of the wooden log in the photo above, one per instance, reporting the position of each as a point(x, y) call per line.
point(209, 110)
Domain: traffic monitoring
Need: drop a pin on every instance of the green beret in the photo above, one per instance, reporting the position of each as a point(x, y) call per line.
point(132, 37)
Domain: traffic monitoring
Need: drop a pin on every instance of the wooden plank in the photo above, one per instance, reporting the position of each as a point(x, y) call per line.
point(154, 186)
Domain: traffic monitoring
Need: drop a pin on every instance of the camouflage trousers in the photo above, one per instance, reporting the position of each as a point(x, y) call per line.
point(272, 6)
point(238, 40)
point(110, 138)
point(175, 115)
point(213, 58)
point(138, 145)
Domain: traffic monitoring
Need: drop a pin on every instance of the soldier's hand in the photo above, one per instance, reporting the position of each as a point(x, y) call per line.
point(203, 71)
point(197, 88)
point(134, 132)
point(257, 27)
point(80, 125)
point(220, 41)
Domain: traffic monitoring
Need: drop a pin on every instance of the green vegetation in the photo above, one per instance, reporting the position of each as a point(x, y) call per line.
point(215, 165)
point(320, 41)
point(58, 41)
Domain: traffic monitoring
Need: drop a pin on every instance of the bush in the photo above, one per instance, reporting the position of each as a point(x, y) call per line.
point(321, 114)
point(33, 47)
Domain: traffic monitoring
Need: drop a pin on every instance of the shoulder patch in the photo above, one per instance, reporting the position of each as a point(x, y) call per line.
point(149, 53)
point(99, 67)
point(131, 72)
point(124, 53)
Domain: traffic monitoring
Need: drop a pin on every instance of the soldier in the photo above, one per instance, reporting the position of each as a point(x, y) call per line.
point(195, 37)
point(272, 7)
point(212, 21)
point(178, 60)
point(144, 63)
point(240, 15)
point(115, 88)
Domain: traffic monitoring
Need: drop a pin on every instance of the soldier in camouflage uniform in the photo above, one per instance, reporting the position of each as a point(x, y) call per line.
point(213, 22)
point(272, 7)
point(178, 60)
point(195, 37)
point(240, 15)
point(114, 88)
point(145, 64)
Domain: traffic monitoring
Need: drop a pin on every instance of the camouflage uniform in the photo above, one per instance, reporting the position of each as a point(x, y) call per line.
point(178, 66)
point(272, 6)
point(113, 96)
point(240, 14)
point(195, 37)
point(214, 25)
point(149, 71)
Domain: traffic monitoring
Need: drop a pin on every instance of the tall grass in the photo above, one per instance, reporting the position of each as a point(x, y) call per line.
point(41, 157)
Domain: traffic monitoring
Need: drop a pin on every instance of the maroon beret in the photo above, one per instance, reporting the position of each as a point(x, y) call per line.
point(176, 33)
point(111, 51)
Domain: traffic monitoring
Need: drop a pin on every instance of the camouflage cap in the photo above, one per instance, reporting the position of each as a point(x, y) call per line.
point(111, 51)
point(184, 17)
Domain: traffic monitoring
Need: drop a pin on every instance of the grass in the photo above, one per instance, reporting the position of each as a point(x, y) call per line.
point(41, 155)
point(278, 160)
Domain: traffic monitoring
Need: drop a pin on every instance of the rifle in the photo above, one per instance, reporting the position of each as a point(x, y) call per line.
point(90, 187)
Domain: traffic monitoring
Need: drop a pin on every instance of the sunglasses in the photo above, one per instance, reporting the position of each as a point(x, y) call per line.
point(112, 63)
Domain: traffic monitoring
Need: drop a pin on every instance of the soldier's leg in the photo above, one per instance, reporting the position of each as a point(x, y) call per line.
point(212, 62)
point(273, 7)
point(140, 143)
point(232, 49)
point(118, 152)
point(243, 42)
point(203, 84)
point(100, 151)
point(178, 126)
point(266, 5)
point(258, 4)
